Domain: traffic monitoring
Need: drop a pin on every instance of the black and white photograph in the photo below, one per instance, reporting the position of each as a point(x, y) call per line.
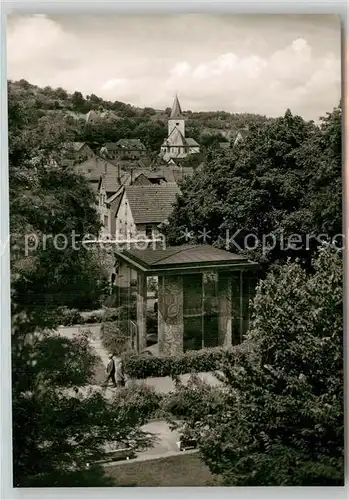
point(176, 250)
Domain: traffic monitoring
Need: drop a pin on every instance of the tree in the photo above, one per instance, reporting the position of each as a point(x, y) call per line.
point(268, 188)
point(78, 100)
point(56, 432)
point(278, 419)
point(60, 431)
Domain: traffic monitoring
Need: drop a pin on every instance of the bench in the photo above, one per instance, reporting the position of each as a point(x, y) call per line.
point(186, 444)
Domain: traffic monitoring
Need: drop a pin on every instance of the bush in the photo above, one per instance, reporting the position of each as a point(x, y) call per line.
point(205, 360)
point(114, 338)
point(111, 315)
point(96, 317)
point(69, 317)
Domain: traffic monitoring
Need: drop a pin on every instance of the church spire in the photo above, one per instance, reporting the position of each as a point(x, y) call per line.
point(176, 111)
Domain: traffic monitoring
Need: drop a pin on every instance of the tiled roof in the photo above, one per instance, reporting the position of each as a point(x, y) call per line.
point(95, 167)
point(155, 175)
point(176, 138)
point(191, 142)
point(92, 168)
point(180, 173)
point(92, 115)
point(151, 204)
point(141, 180)
point(111, 146)
point(111, 181)
point(75, 146)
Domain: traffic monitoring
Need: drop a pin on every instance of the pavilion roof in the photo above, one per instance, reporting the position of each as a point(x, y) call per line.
point(183, 259)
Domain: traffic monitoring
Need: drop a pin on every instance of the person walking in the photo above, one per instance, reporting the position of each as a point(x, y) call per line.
point(120, 375)
point(110, 371)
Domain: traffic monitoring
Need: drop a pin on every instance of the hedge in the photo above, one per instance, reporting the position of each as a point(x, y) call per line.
point(70, 317)
point(144, 366)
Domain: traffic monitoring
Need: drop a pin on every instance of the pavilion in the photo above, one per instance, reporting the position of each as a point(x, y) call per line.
point(203, 295)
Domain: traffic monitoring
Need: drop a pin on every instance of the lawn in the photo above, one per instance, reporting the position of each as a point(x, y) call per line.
point(179, 470)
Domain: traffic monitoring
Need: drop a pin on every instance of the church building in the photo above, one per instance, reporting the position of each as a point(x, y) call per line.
point(177, 145)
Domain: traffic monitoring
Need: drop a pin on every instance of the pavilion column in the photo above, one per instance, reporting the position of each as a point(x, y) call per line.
point(142, 311)
point(225, 309)
point(170, 315)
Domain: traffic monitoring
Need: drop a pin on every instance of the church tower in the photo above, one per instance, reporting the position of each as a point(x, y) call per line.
point(176, 119)
point(177, 145)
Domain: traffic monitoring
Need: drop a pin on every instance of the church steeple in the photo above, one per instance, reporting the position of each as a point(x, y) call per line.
point(176, 111)
point(177, 145)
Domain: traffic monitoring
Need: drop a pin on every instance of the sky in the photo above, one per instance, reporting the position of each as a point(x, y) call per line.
point(237, 63)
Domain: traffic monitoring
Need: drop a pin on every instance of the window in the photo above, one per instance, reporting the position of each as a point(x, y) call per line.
point(149, 230)
point(106, 220)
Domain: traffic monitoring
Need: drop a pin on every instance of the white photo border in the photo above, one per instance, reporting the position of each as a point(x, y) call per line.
point(338, 7)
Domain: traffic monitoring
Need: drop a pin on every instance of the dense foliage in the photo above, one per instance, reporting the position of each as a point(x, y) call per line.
point(278, 420)
point(144, 366)
point(57, 434)
point(118, 120)
point(115, 337)
point(282, 186)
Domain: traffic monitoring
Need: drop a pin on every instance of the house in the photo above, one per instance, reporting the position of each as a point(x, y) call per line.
point(137, 212)
point(105, 179)
point(109, 150)
point(76, 152)
point(130, 148)
point(224, 145)
point(177, 145)
point(103, 208)
point(149, 179)
point(92, 117)
point(141, 209)
point(79, 148)
point(125, 149)
point(241, 135)
point(94, 167)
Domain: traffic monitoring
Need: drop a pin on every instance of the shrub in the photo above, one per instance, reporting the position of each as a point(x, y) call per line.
point(142, 366)
point(111, 315)
point(281, 420)
point(114, 337)
point(69, 317)
point(96, 317)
